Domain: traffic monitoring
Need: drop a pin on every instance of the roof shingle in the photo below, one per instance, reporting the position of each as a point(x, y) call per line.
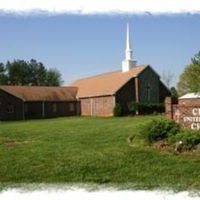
point(105, 84)
point(42, 93)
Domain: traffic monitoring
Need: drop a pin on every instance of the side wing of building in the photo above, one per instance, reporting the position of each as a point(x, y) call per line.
point(11, 107)
point(21, 102)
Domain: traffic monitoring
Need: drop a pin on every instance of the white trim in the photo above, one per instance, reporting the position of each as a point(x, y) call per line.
point(114, 101)
point(91, 106)
point(191, 96)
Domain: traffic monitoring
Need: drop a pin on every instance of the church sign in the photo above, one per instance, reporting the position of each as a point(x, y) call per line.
point(193, 119)
point(186, 112)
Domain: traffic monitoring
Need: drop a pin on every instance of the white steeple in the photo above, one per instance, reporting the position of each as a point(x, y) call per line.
point(128, 44)
point(128, 63)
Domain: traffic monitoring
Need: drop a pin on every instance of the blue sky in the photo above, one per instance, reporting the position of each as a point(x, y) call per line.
point(84, 45)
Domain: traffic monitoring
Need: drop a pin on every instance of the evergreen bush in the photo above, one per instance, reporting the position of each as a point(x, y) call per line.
point(159, 130)
point(190, 138)
point(146, 108)
point(133, 107)
point(164, 129)
point(117, 110)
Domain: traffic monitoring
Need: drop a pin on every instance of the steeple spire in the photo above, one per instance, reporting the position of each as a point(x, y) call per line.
point(128, 44)
point(128, 63)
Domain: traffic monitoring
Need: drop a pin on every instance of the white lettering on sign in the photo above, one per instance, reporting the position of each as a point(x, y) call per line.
point(195, 126)
point(191, 119)
point(196, 111)
point(194, 119)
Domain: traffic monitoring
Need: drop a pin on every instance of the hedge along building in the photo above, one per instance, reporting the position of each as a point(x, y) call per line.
point(31, 102)
point(98, 95)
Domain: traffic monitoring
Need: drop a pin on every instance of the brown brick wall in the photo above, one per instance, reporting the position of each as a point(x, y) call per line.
point(186, 112)
point(85, 107)
point(189, 113)
point(190, 102)
point(97, 106)
point(168, 107)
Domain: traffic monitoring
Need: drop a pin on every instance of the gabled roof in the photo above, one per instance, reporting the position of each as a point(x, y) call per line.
point(106, 84)
point(163, 84)
point(190, 96)
point(42, 93)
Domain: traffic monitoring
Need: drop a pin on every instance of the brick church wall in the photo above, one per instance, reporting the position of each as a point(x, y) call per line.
point(97, 106)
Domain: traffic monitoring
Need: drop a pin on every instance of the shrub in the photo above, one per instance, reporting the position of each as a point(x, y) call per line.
point(190, 138)
point(146, 108)
point(133, 107)
point(117, 110)
point(159, 130)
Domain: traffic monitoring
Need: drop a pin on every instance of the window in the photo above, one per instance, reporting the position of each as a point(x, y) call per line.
point(54, 107)
point(10, 108)
point(71, 107)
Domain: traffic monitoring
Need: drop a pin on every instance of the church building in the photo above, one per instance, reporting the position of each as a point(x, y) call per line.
point(93, 96)
point(99, 94)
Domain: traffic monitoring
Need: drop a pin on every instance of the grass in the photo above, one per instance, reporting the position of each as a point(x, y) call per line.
point(90, 150)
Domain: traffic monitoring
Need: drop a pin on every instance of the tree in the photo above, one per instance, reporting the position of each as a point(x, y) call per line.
point(174, 94)
point(3, 76)
point(20, 72)
point(53, 77)
point(167, 77)
point(38, 73)
point(189, 80)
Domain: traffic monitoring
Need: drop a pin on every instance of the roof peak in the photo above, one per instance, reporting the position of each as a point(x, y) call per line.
point(106, 84)
point(108, 73)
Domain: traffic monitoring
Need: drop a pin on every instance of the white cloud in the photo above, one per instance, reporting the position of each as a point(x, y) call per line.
point(99, 6)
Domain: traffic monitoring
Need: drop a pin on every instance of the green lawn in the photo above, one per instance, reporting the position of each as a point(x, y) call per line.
point(90, 150)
